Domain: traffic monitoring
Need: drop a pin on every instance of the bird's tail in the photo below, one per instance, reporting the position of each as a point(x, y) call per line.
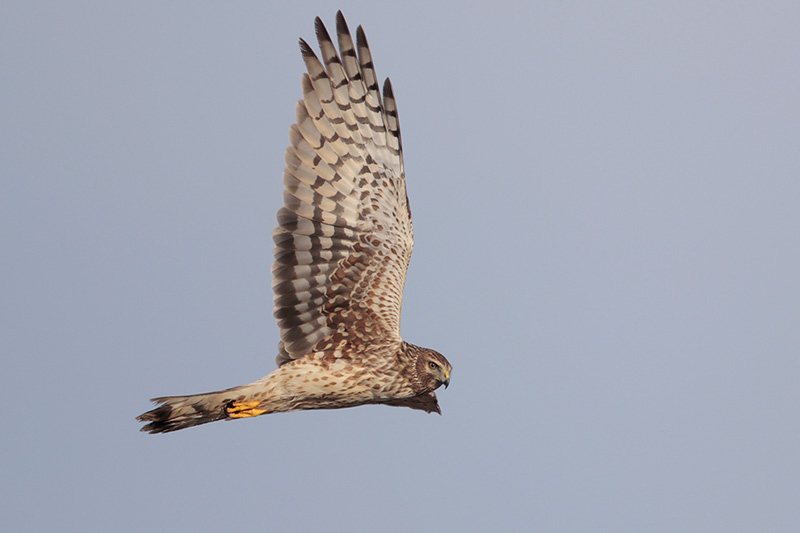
point(179, 412)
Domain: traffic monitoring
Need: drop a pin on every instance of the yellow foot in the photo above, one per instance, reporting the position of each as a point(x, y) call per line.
point(245, 409)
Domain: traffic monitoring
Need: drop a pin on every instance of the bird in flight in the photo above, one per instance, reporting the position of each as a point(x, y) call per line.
point(342, 248)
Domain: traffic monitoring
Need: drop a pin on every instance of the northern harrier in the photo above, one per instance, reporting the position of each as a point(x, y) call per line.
point(342, 248)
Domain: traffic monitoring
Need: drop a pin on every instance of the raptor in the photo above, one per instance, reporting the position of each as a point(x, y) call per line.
point(342, 248)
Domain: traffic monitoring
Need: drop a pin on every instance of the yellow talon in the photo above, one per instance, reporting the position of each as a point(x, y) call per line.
point(245, 409)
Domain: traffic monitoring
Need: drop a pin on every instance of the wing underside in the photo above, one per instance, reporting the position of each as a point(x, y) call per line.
point(344, 234)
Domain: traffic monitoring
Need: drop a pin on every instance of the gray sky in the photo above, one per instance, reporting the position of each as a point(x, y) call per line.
point(606, 205)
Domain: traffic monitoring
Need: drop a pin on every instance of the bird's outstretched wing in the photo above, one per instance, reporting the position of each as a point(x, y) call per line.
point(344, 234)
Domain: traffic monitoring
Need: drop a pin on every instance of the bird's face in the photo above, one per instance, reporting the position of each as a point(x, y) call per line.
point(435, 370)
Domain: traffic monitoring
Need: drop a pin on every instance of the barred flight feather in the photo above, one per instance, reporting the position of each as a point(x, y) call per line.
point(345, 182)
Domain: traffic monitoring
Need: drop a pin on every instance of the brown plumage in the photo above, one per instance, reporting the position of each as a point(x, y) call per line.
point(342, 248)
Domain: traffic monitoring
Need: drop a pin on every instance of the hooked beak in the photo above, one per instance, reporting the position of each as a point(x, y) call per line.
point(446, 381)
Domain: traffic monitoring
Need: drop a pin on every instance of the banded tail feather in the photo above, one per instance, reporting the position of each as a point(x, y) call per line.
point(179, 412)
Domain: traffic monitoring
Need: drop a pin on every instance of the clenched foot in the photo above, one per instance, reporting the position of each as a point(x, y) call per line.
point(245, 409)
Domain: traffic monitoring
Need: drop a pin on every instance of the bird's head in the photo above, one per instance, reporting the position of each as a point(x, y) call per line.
point(432, 370)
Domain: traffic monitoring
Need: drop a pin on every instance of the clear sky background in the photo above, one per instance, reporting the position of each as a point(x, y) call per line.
point(606, 200)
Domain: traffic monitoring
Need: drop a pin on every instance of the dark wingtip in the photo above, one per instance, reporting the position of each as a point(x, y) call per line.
point(321, 30)
point(361, 37)
point(306, 49)
point(341, 23)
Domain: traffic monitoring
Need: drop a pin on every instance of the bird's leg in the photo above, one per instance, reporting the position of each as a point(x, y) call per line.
point(244, 409)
